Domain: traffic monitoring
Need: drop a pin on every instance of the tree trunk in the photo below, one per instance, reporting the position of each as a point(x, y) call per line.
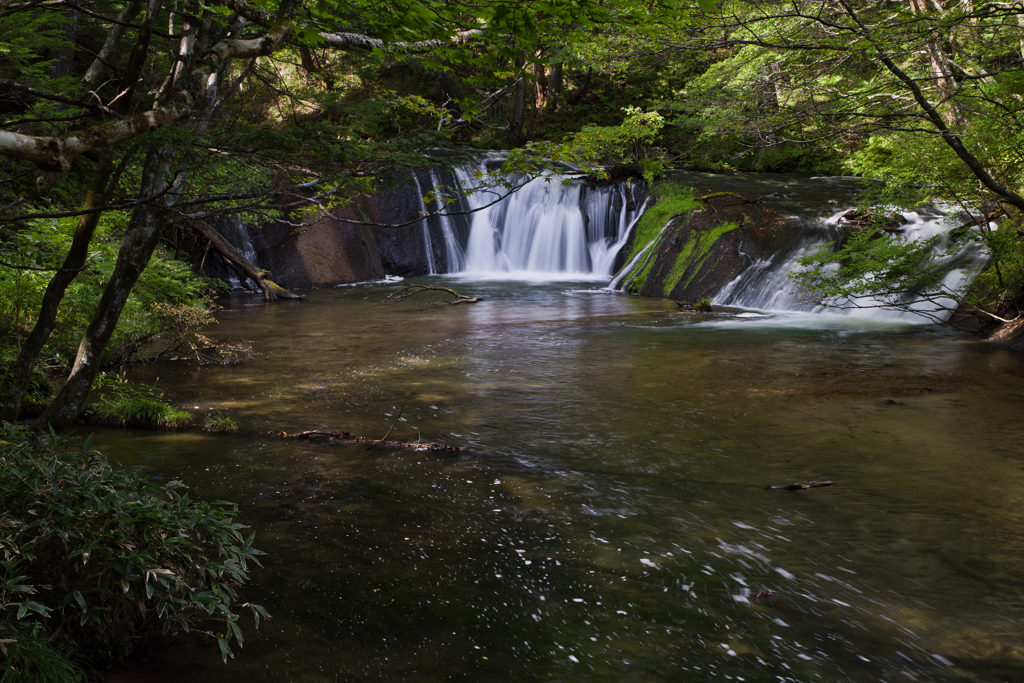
point(65, 57)
point(582, 90)
point(21, 372)
point(140, 239)
point(554, 86)
point(271, 290)
point(518, 113)
point(540, 85)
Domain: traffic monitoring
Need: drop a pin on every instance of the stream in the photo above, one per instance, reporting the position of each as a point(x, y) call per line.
point(608, 520)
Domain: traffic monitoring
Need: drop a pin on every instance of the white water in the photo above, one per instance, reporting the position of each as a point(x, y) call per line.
point(547, 229)
point(453, 250)
point(766, 286)
point(431, 266)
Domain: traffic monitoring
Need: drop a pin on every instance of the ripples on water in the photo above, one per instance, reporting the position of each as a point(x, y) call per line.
point(609, 522)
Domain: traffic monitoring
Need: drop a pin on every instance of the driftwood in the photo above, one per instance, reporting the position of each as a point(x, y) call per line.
point(246, 267)
point(410, 290)
point(801, 486)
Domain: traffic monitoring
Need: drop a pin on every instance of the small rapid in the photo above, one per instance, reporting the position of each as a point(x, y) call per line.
point(766, 284)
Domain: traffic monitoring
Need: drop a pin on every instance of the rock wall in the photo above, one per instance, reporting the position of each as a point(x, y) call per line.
point(335, 250)
point(704, 249)
point(328, 252)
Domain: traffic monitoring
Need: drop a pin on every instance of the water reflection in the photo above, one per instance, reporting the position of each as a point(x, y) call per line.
point(610, 522)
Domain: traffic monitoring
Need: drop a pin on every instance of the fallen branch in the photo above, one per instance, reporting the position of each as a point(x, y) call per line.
point(801, 486)
point(393, 424)
point(431, 446)
point(410, 290)
point(271, 290)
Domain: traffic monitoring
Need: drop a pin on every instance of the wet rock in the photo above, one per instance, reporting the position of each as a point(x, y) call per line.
point(1010, 335)
point(872, 220)
point(706, 249)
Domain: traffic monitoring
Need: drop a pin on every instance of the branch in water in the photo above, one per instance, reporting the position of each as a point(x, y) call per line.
point(410, 290)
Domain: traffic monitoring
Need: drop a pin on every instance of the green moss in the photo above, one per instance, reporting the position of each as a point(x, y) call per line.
point(693, 255)
point(668, 200)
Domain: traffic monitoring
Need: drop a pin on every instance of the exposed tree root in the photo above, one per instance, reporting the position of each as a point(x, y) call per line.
point(410, 290)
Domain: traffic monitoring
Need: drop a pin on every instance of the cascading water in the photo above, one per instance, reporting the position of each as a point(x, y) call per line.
point(425, 227)
point(547, 229)
point(237, 234)
point(766, 285)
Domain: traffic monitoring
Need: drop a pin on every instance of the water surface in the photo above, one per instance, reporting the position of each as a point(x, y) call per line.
point(608, 520)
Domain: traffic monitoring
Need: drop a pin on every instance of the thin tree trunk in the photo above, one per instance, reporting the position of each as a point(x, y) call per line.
point(98, 68)
point(21, 372)
point(137, 247)
point(554, 86)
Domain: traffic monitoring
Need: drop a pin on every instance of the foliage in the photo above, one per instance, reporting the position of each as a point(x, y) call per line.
point(220, 423)
point(126, 405)
point(166, 285)
point(595, 147)
point(704, 305)
point(109, 560)
point(876, 270)
point(30, 658)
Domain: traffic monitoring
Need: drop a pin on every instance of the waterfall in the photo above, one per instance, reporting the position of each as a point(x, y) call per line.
point(765, 285)
point(453, 250)
point(237, 234)
point(427, 245)
point(550, 228)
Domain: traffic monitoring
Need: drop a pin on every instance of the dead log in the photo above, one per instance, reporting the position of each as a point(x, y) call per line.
point(271, 290)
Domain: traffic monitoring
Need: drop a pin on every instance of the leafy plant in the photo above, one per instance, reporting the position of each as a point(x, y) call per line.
point(30, 658)
point(220, 423)
point(126, 405)
point(110, 560)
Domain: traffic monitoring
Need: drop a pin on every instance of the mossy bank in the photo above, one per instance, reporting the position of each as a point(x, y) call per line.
point(693, 241)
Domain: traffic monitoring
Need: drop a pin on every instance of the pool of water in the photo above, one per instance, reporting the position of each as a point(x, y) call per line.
point(608, 520)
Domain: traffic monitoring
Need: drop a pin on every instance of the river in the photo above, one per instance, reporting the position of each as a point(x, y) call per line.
point(608, 520)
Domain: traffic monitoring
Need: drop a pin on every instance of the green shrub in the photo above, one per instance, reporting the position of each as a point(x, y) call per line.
point(125, 405)
point(109, 560)
point(166, 283)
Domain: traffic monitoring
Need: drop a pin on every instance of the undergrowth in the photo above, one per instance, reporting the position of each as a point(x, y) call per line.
point(125, 405)
point(104, 560)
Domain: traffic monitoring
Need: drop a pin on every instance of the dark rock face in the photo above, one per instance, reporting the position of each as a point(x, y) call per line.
point(336, 251)
point(706, 249)
point(329, 252)
point(401, 249)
